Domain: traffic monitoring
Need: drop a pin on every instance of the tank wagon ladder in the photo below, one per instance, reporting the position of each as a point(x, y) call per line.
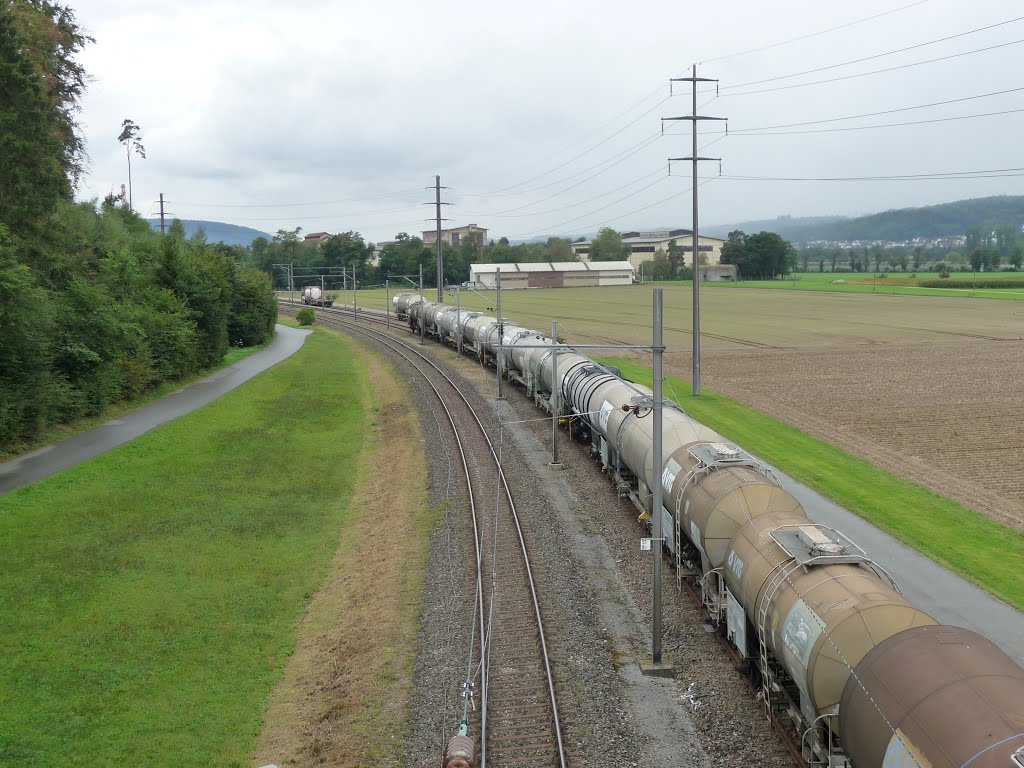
point(779, 576)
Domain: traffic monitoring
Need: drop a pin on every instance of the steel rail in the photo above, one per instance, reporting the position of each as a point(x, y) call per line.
point(385, 339)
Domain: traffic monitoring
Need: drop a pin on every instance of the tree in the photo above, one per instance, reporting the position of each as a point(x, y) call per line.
point(977, 259)
point(734, 251)
point(559, 249)
point(901, 262)
point(917, 257)
point(660, 268)
point(608, 246)
point(41, 152)
point(1016, 257)
point(676, 257)
point(129, 136)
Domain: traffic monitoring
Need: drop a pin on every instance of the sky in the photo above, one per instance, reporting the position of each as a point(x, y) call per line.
point(546, 117)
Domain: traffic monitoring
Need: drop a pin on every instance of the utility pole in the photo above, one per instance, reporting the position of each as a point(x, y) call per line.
point(161, 213)
point(555, 397)
point(387, 302)
point(501, 329)
point(421, 301)
point(693, 117)
point(440, 252)
point(458, 316)
point(354, 294)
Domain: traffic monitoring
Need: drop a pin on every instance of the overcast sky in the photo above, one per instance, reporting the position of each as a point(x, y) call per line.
point(334, 115)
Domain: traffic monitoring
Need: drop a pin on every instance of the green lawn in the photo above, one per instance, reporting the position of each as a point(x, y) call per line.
point(982, 551)
point(149, 598)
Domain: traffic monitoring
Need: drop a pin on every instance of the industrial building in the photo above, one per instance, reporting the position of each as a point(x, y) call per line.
point(455, 235)
point(556, 274)
point(644, 245)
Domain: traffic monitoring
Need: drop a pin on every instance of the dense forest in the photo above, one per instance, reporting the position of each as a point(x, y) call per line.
point(95, 307)
point(946, 220)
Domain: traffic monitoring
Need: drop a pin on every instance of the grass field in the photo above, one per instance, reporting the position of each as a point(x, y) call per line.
point(150, 598)
point(982, 551)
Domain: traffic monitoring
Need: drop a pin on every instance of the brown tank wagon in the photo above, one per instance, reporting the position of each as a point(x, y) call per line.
point(935, 697)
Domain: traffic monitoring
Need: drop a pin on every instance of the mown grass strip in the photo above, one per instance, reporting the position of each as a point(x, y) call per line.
point(149, 598)
point(982, 551)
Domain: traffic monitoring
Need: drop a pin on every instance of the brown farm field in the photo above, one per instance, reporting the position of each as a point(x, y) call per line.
point(930, 388)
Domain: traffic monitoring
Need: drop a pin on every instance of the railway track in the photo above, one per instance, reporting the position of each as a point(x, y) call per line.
point(516, 722)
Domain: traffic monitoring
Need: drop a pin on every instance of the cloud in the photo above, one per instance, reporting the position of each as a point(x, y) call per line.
point(269, 104)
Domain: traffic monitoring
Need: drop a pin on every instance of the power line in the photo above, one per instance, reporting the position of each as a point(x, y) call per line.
point(298, 205)
point(588, 213)
point(980, 174)
point(875, 56)
point(882, 112)
point(883, 125)
point(605, 124)
point(332, 215)
point(629, 153)
point(875, 71)
point(814, 34)
point(581, 202)
point(584, 152)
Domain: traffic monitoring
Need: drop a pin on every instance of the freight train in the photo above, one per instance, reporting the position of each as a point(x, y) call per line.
point(860, 676)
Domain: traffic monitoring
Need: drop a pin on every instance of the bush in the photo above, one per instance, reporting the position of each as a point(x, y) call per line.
point(306, 316)
point(253, 308)
point(944, 275)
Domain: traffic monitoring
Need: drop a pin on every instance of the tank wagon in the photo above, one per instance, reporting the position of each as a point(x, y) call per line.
point(861, 676)
point(314, 296)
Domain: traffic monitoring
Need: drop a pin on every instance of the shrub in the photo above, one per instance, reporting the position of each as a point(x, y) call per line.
point(306, 316)
point(944, 275)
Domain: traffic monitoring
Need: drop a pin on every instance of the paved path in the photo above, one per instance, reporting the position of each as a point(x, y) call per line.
point(947, 597)
point(67, 453)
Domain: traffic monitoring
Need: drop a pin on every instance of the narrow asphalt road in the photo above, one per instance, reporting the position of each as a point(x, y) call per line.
point(67, 453)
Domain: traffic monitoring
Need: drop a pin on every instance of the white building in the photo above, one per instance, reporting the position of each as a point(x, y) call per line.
point(645, 245)
point(552, 274)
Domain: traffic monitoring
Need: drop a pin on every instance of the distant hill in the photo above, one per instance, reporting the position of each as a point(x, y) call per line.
point(945, 220)
point(217, 231)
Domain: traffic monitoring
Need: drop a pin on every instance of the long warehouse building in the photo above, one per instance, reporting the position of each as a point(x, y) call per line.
point(552, 274)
